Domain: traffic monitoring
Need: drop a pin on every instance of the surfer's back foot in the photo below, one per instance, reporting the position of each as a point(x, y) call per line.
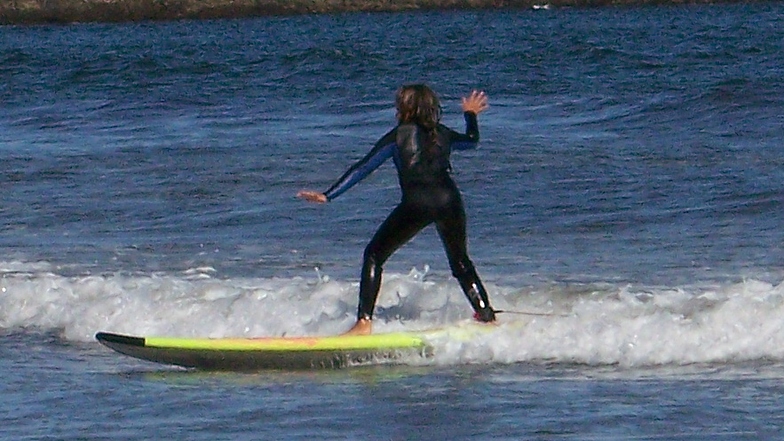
point(361, 327)
point(486, 315)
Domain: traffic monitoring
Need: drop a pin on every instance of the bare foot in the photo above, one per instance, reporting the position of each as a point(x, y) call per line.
point(361, 327)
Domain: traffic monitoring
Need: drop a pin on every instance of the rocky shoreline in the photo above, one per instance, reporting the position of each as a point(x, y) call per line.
point(71, 11)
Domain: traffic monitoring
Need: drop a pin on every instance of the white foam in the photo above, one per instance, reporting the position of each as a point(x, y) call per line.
point(591, 324)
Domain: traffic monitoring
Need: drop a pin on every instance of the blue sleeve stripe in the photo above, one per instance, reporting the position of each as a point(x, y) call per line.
point(361, 170)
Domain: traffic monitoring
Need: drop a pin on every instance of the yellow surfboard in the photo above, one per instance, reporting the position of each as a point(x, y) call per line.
point(250, 354)
point(287, 353)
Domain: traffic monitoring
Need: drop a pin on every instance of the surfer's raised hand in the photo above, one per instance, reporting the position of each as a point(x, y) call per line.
point(476, 102)
point(312, 196)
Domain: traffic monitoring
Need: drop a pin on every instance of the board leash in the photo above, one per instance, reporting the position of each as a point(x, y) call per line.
point(528, 313)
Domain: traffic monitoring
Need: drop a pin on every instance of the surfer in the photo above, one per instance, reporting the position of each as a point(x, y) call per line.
point(420, 147)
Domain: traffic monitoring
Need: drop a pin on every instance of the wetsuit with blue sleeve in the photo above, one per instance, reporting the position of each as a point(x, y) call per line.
point(429, 195)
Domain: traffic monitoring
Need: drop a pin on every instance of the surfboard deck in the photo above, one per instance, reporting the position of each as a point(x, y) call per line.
point(253, 354)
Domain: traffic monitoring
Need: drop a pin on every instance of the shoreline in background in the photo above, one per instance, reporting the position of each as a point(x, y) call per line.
point(73, 11)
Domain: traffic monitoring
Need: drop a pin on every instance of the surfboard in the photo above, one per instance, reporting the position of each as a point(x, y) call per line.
point(253, 354)
point(290, 353)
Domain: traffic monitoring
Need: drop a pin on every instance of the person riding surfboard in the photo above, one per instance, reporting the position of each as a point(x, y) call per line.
point(420, 147)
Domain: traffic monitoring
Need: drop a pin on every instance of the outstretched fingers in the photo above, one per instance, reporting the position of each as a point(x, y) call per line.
point(475, 102)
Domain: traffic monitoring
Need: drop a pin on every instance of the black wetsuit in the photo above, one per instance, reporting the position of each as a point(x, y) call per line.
point(429, 196)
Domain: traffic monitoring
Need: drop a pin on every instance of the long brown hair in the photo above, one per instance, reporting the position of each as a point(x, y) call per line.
point(417, 103)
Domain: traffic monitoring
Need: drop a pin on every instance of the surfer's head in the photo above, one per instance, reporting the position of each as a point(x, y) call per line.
point(417, 103)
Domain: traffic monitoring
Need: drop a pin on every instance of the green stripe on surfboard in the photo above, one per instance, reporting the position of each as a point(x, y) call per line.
point(332, 343)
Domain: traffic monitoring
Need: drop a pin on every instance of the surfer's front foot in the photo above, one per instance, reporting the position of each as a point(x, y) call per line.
point(361, 327)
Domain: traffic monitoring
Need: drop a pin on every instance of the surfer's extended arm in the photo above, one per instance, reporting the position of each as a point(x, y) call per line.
point(381, 151)
point(473, 105)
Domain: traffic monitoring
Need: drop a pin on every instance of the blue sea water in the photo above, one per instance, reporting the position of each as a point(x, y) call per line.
point(629, 186)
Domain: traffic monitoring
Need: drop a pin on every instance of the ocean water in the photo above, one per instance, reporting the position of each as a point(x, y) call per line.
point(625, 205)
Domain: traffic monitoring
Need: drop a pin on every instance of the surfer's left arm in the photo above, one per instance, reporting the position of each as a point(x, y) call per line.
point(381, 151)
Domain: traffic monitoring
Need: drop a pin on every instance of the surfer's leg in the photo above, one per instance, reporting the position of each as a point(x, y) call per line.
point(401, 225)
point(452, 229)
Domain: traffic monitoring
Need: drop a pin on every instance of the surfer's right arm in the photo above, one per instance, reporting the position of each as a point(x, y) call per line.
point(381, 151)
point(473, 105)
